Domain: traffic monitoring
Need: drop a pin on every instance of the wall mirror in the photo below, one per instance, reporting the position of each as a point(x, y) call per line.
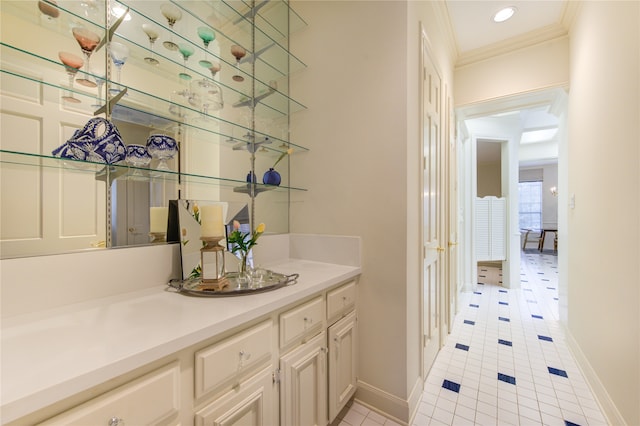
point(212, 75)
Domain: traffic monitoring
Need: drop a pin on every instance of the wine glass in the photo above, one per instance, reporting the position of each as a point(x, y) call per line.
point(49, 9)
point(173, 14)
point(186, 50)
point(152, 34)
point(207, 35)
point(119, 54)
point(72, 63)
point(238, 52)
point(100, 80)
point(88, 41)
point(214, 68)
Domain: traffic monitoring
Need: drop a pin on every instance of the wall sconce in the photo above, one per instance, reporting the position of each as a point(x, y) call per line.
point(554, 191)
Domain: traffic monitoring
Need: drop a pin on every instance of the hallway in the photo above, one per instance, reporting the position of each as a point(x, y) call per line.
point(506, 361)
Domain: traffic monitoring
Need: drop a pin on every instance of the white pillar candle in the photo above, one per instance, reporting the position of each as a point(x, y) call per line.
point(158, 219)
point(211, 221)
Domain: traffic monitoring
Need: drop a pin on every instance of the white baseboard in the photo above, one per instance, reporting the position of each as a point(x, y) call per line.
point(607, 406)
point(390, 406)
point(414, 398)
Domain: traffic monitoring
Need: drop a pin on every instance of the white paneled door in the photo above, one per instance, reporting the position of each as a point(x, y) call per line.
point(432, 279)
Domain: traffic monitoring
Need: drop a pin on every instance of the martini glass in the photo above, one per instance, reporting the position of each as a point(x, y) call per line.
point(152, 33)
point(238, 52)
point(207, 35)
point(173, 15)
point(119, 54)
point(186, 50)
point(88, 41)
point(72, 63)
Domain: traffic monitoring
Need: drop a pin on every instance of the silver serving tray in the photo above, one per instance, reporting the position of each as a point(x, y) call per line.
point(271, 281)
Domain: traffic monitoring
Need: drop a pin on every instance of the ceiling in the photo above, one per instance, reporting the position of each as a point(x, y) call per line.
point(478, 37)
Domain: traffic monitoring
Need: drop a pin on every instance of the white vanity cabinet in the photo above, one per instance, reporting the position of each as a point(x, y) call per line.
point(152, 399)
point(342, 363)
point(251, 402)
point(303, 366)
point(342, 343)
point(293, 363)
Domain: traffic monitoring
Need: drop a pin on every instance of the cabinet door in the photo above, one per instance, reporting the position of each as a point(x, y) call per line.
point(303, 387)
point(342, 363)
point(251, 403)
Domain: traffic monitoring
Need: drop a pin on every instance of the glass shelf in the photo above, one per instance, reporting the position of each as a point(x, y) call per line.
point(137, 106)
point(112, 172)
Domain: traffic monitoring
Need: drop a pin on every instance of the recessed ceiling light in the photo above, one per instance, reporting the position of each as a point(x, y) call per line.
point(504, 14)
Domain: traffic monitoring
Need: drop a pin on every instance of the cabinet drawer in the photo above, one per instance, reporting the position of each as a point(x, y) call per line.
point(228, 360)
point(341, 299)
point(148, 400)
point(301, 321)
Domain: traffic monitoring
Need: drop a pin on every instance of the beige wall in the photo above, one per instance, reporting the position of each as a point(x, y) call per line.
point(489, 179)
point(542, 66)
point(355, 128)
point(362, 170)
point(604, 141)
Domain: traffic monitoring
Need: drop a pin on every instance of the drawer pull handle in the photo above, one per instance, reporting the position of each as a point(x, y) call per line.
point(309, 320)
point(116, 421)
point(244, 355)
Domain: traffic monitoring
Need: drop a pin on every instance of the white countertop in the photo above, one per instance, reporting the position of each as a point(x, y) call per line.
point(49, 356)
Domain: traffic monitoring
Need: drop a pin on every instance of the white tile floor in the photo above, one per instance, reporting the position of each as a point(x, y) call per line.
point(505, 363)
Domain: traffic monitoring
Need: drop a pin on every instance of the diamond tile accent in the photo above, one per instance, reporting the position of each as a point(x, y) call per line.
point(506, 378)
point(505, 342)
point(557, 372)
point(461, 346)
point(452, 386)
point(473, 305)
point(469, 322)
point(504, 303)
point(537, 316)
point(504, 319)
point(546, 338)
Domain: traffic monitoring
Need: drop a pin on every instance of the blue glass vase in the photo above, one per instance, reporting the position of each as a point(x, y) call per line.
point(271, 177)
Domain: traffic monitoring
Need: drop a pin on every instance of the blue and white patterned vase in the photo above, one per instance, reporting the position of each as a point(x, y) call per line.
point(163, 148)
point(137, 155)
point(99, 141)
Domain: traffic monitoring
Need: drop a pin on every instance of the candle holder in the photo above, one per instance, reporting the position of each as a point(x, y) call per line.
point(158, 237)
point(212, 263)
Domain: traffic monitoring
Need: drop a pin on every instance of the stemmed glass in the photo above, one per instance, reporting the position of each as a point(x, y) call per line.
point(48, 9)
point(152, 33)
point(100, 80)
point(207, 35)
point(72, 63)
point(214, 68)
point(238, 52)
point(186, 50)
point(173, 15)
point(119, 54)
point(88, 41)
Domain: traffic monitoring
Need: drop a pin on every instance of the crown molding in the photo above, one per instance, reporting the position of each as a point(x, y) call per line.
point(532, 38)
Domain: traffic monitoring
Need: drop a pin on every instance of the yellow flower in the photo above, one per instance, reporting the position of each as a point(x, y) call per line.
point(260, 228)
point(287, 152)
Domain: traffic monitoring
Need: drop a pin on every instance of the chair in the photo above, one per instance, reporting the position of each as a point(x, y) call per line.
point(531, 236)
